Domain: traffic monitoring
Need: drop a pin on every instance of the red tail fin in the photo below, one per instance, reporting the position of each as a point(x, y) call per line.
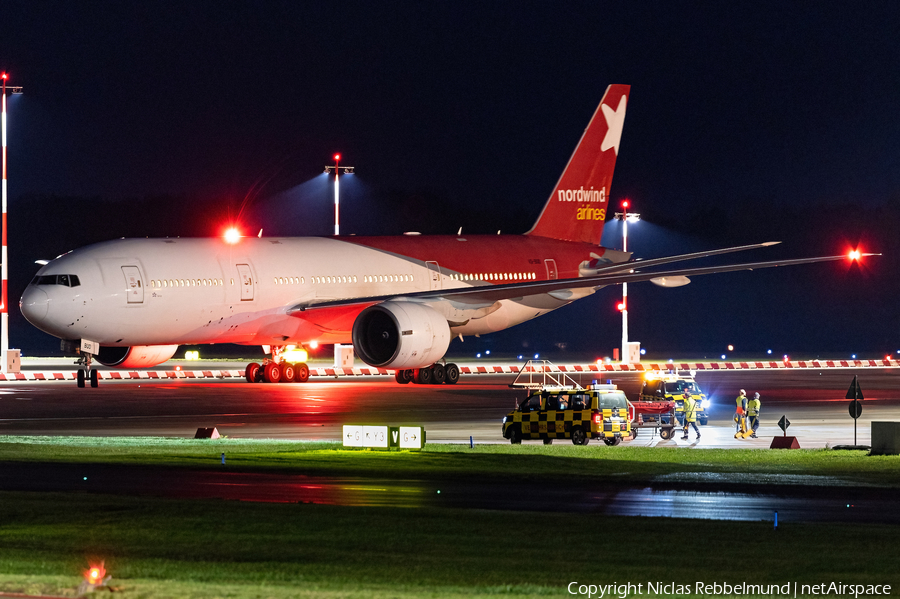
point(577, 207)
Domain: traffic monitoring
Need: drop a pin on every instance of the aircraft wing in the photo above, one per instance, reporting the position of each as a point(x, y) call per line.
point(630, 272)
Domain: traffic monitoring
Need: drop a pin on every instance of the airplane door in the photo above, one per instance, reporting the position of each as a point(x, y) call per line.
point(246, 282)
point(434, 273)
point(134, 286)
point(550, 263)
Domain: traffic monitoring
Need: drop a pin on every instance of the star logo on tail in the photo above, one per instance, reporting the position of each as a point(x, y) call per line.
point(615, 119)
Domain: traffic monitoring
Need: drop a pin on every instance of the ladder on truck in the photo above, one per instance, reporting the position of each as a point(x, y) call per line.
point(540, 374)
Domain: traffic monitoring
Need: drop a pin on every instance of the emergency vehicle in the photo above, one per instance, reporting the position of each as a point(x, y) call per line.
point(670, 386)
point(597, 412)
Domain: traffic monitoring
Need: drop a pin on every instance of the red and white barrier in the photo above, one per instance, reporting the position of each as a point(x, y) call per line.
point(113, 375)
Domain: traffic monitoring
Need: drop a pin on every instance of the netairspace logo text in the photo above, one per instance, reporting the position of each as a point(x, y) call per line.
point(790, 589)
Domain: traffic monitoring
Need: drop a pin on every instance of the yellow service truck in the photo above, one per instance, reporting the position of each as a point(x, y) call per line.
point(670, 386)
point(598, 412)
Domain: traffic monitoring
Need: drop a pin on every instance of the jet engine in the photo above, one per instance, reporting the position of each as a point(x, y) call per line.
point(400, 335)
point(138, 356)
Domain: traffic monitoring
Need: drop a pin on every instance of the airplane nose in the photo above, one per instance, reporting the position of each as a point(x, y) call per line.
point(34, 305)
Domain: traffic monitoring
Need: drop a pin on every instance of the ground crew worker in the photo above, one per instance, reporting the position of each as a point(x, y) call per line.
point(740, 409)
point(690, 414)
point(753, 407)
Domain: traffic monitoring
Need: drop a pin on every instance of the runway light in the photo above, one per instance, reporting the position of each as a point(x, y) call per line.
point(853, 356)
point(192, 355)
point(643, 352)
point(536, 356)
point(487, 352)
point(478, 355)
point(730, 348)
point(770, 352)
point(232, 235)
point(723, 356)
point(94, 575)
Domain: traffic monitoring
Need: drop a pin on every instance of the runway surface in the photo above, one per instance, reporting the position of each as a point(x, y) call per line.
point(812, 400)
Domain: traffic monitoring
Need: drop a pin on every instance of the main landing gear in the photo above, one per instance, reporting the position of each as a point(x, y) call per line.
point(276, 371)
point(86, 373)
point(432, 375)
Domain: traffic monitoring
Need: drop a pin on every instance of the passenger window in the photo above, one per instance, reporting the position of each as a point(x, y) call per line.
point(552, 402)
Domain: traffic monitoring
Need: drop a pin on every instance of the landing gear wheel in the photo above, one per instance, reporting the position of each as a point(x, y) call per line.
point(422, 376)
point(451, 372)
point(438, 374)
point(272, 373)
point(612, 441)
point(578, 437)
point(301, 372)
point(666, 433)
point(515, 435)
point(288, 372)
point(252, 372)
point(634, 433)
point(80, 377)
point(403, 376)
point(548, 441)
point(95, 379)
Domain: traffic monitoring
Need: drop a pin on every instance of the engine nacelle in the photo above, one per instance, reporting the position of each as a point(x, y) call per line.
point(400, 335)
point(139, 356)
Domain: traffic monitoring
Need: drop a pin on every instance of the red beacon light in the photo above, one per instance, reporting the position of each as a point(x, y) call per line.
point(854, 255)
point(337, 157)
point(621, 306)
point(625, 204)
point(232, 235)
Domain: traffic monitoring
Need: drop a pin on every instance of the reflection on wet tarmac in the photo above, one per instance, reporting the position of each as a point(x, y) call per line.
point(838, 504)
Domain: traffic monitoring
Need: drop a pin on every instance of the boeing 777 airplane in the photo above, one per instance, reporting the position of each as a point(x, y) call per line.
point(129, 303)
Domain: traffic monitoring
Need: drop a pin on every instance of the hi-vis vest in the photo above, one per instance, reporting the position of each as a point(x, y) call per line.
point(690, 413)
point(753, 407)
point(741, 402)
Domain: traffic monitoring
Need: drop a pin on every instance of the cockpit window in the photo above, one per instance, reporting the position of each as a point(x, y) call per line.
point(67, 280)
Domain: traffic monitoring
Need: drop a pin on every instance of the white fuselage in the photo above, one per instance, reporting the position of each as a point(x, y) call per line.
point(135, 292)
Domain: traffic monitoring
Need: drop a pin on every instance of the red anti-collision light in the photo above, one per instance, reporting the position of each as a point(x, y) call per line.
point(621, 306)
point(625, 204)
point(854, 255)
point(337, 157)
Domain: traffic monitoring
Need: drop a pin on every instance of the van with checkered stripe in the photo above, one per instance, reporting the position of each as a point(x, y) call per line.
point(599, 412)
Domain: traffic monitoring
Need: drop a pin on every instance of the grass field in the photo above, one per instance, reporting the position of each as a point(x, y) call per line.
point(174, 548)
point(562, 461)
point(160, 548)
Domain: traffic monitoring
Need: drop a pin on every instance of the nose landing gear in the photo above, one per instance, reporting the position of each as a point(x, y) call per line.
point(86, 373)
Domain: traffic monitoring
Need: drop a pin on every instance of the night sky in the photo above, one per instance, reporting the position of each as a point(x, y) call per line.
point(747, 122)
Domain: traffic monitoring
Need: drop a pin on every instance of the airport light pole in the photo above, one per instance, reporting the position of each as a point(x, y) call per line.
point(625, 217)
point(337, 183)
point(338, 354)
point(4, 271)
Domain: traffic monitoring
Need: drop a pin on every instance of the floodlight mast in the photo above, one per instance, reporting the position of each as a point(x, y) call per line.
point(337, 195)
point(4, 272)
point(625, 216)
